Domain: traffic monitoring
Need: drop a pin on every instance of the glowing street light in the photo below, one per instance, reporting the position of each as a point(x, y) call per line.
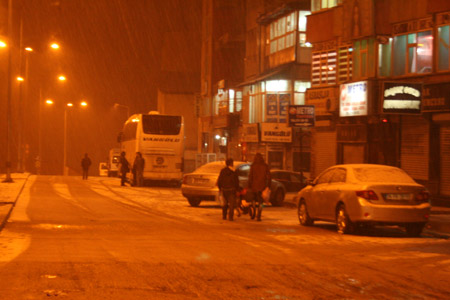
point(20, 78)
point(62, 78)
point(29, 49)
point(54, 46)
point(65, 169)
point(49, 101)
point(3, 44)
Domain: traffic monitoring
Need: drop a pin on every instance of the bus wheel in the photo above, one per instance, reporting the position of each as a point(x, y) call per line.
point(194, 201)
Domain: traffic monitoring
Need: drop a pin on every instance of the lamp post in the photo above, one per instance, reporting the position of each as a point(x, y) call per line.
point(8, 100)
point(117, 105)
point(68, 105)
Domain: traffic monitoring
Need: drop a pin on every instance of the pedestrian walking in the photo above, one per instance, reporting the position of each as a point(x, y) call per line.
point(124, 168)
point(258, 180)
point(138, 169)
point(228, 183)
point(85, 164)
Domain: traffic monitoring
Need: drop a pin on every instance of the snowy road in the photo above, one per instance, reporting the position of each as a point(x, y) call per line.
point(75, 239)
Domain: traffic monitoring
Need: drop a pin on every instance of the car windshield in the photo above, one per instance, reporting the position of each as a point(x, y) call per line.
point(210, 168)
point(388, 175)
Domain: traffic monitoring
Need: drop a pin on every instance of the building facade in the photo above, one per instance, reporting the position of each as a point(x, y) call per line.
point(382, 77)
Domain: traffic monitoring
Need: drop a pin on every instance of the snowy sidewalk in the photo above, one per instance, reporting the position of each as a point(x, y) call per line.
point(9, 192)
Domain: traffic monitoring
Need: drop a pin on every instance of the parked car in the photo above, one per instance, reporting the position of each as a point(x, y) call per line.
point(200, 185)
point(357, 194)
point(103, 169)
point(292, 181)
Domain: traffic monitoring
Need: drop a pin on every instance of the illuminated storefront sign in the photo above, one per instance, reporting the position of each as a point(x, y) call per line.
point(353, 99)
point(276, 132)
point(301, 115)
point(403, 98)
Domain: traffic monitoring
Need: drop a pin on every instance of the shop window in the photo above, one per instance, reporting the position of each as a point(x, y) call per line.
point(323, 68)
point(413, 53)
point(443, 48)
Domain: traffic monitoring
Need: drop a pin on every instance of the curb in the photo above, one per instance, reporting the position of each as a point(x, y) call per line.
point(12, 204)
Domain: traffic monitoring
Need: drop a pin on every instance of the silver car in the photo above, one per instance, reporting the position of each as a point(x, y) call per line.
point(356, 194)
point(200, 185)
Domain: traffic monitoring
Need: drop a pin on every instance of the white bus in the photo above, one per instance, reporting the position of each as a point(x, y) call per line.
point(160, 139)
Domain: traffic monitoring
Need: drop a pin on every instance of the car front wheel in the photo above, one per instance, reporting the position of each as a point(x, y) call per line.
point(194, 201)
point(344, 225)
point(303, 215)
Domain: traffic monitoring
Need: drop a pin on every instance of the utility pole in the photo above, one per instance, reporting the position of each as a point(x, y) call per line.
point(8, 100)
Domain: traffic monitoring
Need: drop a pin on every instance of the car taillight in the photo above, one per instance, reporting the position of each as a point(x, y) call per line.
point(368, 195)
point(423, 196)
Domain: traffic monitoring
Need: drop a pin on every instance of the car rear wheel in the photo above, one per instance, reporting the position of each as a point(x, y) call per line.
point(414, 229)
point(303, 215)
point(194, 201)
point(278, 198)
point(344, 225)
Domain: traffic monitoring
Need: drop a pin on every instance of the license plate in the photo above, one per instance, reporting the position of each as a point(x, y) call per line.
point(402, 196)
point(201, 180)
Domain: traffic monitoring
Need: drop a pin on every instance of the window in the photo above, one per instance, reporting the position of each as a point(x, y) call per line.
point(339, 175)
point(302, 28)
point(324, 68)
point(326, 177)
point(324, 4)
point(384, 58)
point(158, 124)
point(364, 59)
point(443, 48)
point(282, 33)
point(413, 53)
point(278, 98)
point(300, 88)
point(345, 63)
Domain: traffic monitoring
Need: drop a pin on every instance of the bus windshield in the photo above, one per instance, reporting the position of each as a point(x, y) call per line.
point(164, 125)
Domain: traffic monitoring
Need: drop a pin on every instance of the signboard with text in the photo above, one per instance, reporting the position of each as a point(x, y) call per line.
point(436, 97)
point(353, 99)
point(301, 115)
point(276, 132)
point(402, 98)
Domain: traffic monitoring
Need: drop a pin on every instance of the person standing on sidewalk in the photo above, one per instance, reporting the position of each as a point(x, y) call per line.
point(85, 164)
point(124, 168)
point(259, 179)
point(228, 183)
point(138, 169)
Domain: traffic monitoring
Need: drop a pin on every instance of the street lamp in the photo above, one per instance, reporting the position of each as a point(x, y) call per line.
point(68, 105)
point(117, 105)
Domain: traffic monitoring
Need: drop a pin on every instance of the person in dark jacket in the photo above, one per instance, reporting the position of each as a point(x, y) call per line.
point(228, 183)
point(258, 179)
point(124, 168)
point(85, 164)
point(138, 169)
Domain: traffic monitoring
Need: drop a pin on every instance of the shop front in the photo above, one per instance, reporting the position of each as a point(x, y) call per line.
point(322, 141)
point(436, 104)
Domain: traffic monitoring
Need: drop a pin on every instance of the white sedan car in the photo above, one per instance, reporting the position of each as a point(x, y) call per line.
point(368, 194)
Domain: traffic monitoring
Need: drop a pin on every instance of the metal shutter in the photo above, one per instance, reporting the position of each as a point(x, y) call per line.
point(323, 151)
point(415, 147)
point(445, 161)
